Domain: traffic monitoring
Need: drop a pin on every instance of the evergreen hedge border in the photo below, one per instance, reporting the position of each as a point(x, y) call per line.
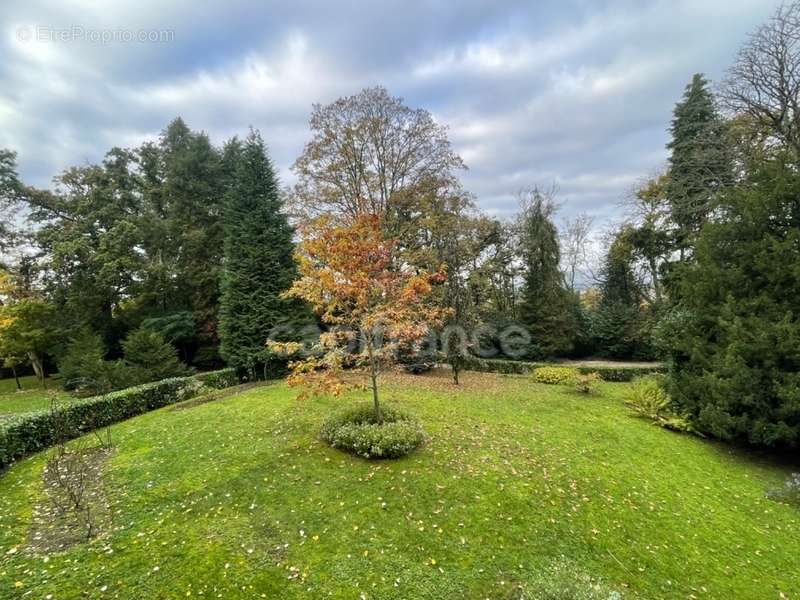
point(518, 367)
point(30, 432)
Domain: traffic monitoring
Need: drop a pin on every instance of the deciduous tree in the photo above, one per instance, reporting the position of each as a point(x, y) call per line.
point(764, 81)
point(350, 275)
point(365, 149)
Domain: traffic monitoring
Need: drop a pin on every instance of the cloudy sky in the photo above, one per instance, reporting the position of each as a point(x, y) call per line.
point(577, 93)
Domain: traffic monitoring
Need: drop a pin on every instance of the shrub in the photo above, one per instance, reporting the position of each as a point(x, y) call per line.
point(30, 432)
point(587, 383)
point(84, 370)
point(563, 580)
point(555, 375)
point(151, 358)
point(789, 492)
point(357, 431)
point(648, 399)
point(219, 379)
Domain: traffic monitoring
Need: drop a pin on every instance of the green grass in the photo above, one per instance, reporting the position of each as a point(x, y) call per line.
point(32, 396)
point(238, 498)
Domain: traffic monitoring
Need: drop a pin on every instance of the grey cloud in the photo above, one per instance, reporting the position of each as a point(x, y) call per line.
point(577, 93)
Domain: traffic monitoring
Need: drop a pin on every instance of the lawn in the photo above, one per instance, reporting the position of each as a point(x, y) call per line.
point(31, 397)
point(237, 498)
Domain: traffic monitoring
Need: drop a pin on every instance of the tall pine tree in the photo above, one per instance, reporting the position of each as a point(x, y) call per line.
point(546, 309)
point(258, 262)
point(699, 162)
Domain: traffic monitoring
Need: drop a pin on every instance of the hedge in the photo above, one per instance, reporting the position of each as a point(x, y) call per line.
point(496, 365)
point(621, 373)
point(518, 367)
point(222, 378)
point(30, 432)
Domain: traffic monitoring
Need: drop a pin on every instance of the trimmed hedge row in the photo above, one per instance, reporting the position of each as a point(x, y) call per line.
point(621, 373)
point(497, 365)
point(30, 432)
point(518, 367)
point(220, 379)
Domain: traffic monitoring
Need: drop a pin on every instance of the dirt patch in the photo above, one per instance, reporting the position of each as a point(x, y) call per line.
point(57, 524)
point(217, 395)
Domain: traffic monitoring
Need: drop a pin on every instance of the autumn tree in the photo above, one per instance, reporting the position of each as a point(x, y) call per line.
point(350, 275)
point(27, 326)
point(575, 238)
point(764, 82)
point(365, 149)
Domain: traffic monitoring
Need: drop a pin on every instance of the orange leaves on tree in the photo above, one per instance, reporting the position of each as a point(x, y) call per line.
point(352, 277)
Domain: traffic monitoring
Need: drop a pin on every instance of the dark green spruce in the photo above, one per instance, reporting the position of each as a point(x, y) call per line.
point(258, 263)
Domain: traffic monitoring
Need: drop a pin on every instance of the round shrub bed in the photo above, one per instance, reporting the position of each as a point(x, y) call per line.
point(356, 431)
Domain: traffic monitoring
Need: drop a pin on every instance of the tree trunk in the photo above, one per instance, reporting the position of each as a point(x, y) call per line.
point(16, 378)
point(38, 367)
point(455, 368)
point(373, 375)
point(656, 282)
point(378, 413)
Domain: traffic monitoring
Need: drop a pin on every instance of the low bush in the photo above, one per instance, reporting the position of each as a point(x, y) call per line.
point(587, 383)
point(357, 431)
point(789, 492)
point(219, 379)
point(648, 399)
point(29, 432)
point(555, 375)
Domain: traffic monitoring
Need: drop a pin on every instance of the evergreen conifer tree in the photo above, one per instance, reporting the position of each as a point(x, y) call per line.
point(546, 308)
point(699, 163)
point(734, 335)
point(258, 263)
